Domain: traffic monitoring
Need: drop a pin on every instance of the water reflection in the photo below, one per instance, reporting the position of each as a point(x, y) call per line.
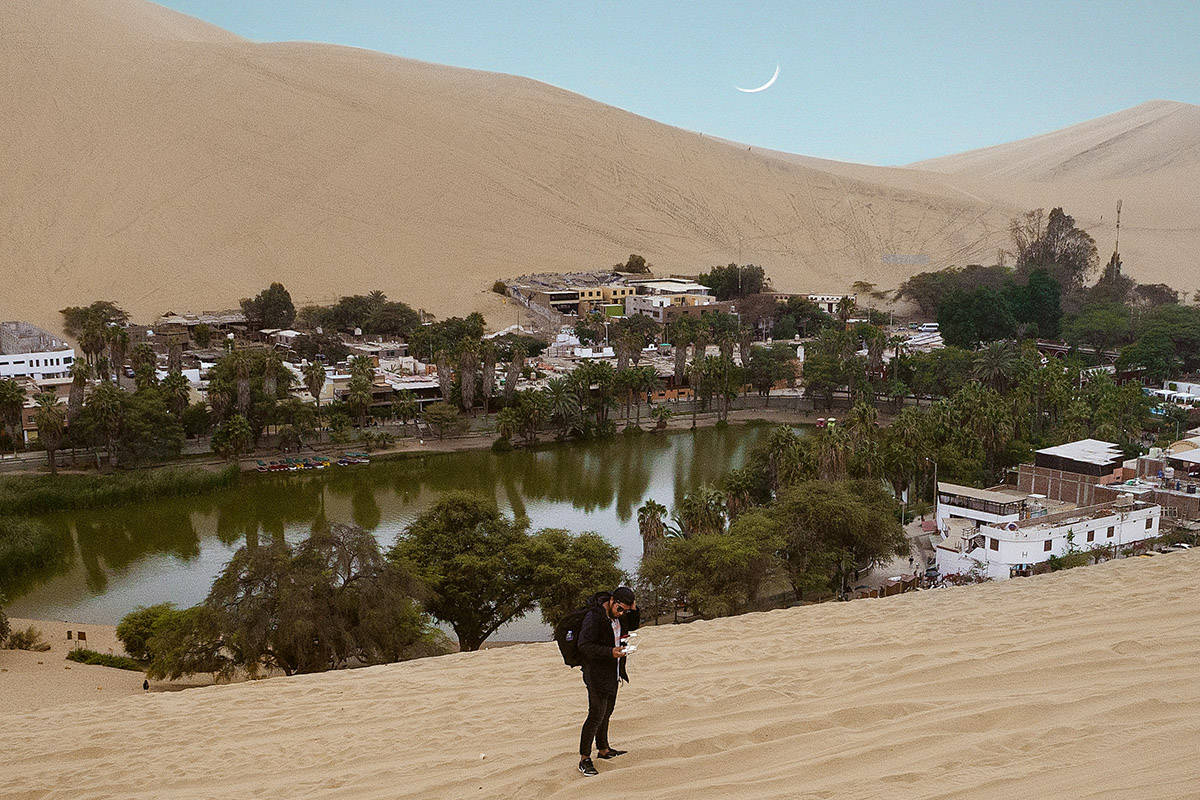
point(114, 559)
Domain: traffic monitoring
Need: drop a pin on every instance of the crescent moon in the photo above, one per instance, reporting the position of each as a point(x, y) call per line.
point(764, 87)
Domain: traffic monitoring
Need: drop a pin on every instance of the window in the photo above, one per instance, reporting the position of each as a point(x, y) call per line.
point(1110, 531)
point(1149, 523)
point(1091, 536)
point(1049, 545)
point(994, 544)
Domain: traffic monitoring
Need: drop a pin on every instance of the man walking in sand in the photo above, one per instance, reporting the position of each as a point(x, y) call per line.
point(610, 618)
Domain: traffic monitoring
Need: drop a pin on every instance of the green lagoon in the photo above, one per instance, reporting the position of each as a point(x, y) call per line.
point(115, 559)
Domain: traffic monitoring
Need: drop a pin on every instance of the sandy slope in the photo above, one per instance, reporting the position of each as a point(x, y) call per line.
point(153, 159)
point(1147, 156)
point(163, 163)
point(1083, 684)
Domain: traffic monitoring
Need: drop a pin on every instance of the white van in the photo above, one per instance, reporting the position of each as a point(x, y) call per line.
point(928, 327)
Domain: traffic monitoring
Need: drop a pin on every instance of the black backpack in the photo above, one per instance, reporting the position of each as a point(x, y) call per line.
point(566, 633)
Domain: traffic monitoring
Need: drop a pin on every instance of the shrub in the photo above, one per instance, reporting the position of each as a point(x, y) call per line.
point(28, 639)
point(499, 288)
point(3, 624)
point(25, 494)
point(104, 660)
point(136, 627)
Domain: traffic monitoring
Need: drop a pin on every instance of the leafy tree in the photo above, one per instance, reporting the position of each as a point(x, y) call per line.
point(271, 308)
point(98, 315)
point(1181, 324)
point(769, 366)
point(202, 335)
point(635, 264)
point(831, 528)
point(716, 573)
point(196, 419)
point(149, 431)
point(985, 315)
point(135, 629)
point(1100, 326)
point(330, 601)
point(732, 281)
point(1055, 244)
point(188, 642)
point(443, 418)
point(475, 562)
point(569, 568)
point(1154, 353)
point(315, 346)
point(233, 438)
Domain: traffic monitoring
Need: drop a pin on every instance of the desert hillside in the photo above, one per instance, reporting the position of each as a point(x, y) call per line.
point(1077, 684)
point(1147, 156)
point(161, 162)
point(156, 160)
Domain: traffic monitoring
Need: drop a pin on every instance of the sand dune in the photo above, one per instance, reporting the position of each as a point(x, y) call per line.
point(1079, 684)
point(166, 164)
point(159, 161)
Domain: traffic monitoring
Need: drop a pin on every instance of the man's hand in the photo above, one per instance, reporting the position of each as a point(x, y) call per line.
point(618, 652)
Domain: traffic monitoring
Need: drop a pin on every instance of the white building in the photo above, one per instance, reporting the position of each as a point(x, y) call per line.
point(1002, 550)
point(828, 302)
point(981, 506)
point(28, 351)
point(653, 286)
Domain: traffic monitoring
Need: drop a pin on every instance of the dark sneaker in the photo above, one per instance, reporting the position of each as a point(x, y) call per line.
point(612, 753)
point(587, 767)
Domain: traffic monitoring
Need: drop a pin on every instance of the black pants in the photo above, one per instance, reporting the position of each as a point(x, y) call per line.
point(595, 727)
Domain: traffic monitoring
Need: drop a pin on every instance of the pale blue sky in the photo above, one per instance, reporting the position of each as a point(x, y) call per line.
point(875, 82)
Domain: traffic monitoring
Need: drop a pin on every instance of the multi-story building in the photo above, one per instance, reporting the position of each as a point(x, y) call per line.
point(27, 351)
point(1002, 550)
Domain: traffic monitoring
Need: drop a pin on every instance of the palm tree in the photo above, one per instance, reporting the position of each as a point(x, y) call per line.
point(700, 512)
point(92, 340)
point(562, 404)
point(468, 370)
point(680, 333)
point(652, 524)
point(176, 389)
point(487, 352)
point(405, 407)
point(50, 419)
point(514, 373)
point(107, 404)
point(996, 364)
point(12, 401)
point(643, 381)
point(273, 370)
point(117, 339)
point(314, 380)
point(358, 397)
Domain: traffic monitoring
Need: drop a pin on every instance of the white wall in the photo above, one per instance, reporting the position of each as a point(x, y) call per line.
point(1027, 546)
point(47, 364)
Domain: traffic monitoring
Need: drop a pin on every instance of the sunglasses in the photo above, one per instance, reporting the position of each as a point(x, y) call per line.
point(620, 609)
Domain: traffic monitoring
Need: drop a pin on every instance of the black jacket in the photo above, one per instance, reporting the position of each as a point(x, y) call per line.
point(596, 642)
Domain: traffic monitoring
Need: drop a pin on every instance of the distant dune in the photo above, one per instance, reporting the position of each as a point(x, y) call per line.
point(1081, 684)
point(155, 160)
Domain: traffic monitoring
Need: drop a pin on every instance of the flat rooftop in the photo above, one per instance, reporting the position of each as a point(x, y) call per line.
point(24, 337)
point(1086, 451)
point(1083, 514)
